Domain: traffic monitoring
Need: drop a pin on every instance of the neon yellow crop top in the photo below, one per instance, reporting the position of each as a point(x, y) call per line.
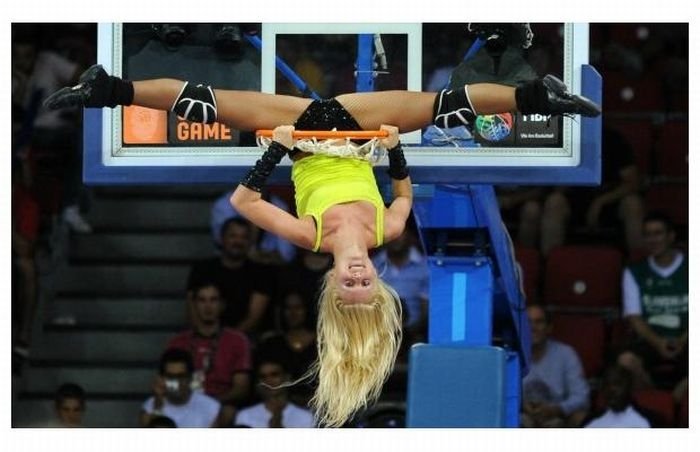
point(322, 181)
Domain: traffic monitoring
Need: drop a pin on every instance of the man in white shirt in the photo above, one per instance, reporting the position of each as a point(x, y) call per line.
point(173, 395)
point(655, 299)
point(617, 390)
point(555, 390)
point(275, 410)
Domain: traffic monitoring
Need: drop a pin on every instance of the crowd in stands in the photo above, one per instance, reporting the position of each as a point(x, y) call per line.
point(604, 269)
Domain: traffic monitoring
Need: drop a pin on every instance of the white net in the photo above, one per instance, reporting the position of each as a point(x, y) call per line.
point(370, 150)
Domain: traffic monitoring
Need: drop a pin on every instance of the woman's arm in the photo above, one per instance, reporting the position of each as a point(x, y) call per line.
point(400, 208)
point(247, 199)
point(268, 216)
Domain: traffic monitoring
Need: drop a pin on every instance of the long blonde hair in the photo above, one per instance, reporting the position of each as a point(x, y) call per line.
point(357, 347)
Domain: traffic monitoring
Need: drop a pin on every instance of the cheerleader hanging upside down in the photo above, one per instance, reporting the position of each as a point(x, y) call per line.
point(340, 210)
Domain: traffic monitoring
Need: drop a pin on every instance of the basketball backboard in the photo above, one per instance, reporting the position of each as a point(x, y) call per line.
point(135, 146)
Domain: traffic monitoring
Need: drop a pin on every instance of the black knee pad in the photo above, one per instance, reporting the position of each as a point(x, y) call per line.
point(196, 103)
point(452, 108)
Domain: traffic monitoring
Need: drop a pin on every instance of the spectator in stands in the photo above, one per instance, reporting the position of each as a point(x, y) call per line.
point(555, 391)
point(26, 211)
point(305, 275)
point(405, 268)
point(173, 395)
point(161, 422)
point(294, 346)
point(46, 151)
point(69, 403)
point(221, 355)
point(275, 410)
point(270, 249)
point(617, 390)
point(655, 303)
point(523, 206)
point(615, 203)
point(55, 144)
point(244, 284)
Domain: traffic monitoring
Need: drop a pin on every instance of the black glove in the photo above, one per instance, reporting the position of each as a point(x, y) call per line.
point(397, 163)
point(95, 89)
point(256, 177)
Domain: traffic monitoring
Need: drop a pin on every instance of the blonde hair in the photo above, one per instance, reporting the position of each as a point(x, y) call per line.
point(357, 347)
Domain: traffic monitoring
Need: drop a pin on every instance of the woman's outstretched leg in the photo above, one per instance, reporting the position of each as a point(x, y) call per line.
point(242, 110)
point(250, 110)
point(450, 108)
point(411, 110)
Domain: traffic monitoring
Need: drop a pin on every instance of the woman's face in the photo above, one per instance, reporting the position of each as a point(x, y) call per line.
point(356, 279)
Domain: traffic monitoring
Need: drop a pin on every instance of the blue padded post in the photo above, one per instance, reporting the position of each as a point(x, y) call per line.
point(456, 386)
point(464, 314)
point(365, 63)
point(459, 379)
point(513, 387)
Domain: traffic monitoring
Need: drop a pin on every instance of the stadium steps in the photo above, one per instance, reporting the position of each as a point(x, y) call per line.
point(112, 301)
point(152, 246)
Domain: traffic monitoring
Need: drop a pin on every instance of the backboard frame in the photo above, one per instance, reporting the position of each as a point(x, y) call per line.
point(577, 162)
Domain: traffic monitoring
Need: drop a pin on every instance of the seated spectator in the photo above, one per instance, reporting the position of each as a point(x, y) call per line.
point(173, 395)
point(405, 268)
point(616, 203)
point(555, 391)
point(305, 275)
point(25, 230)
point(69, 403)
point(221, 355)
point(270, 249)
point(294, 346)
point(26, 206)
point(618, 385)
point(655, 302)
point(161, 422)
point(244, 284)
point(275, 410)
point(522, 206)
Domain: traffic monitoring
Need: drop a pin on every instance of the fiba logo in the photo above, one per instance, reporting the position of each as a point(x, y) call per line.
point(494, 127)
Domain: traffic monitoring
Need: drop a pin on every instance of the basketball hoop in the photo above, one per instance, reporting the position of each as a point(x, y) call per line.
point(338, 143)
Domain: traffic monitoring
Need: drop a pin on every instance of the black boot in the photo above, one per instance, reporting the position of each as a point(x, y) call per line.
point(95, 89)
point(549, 96)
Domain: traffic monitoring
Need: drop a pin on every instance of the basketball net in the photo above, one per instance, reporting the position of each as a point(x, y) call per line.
point(370, 150)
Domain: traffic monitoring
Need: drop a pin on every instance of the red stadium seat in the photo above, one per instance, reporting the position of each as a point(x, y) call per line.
point(529, 260)
point(637, 254)
point(630, 35)
point(682, 414)
point(586, 334)
point(583, 277)
point(619, 333)
point(660, 403)
point(625, 94)
point(671, 199)
point(639, 133)
point(671, 151)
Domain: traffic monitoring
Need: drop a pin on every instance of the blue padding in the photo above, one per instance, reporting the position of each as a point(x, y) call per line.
point(513, 389)
point(462, 291)
point(365, 63)
point(451, 386)
point(443, 207)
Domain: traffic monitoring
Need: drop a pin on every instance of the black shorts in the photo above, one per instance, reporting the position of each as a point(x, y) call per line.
point(326, 114)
